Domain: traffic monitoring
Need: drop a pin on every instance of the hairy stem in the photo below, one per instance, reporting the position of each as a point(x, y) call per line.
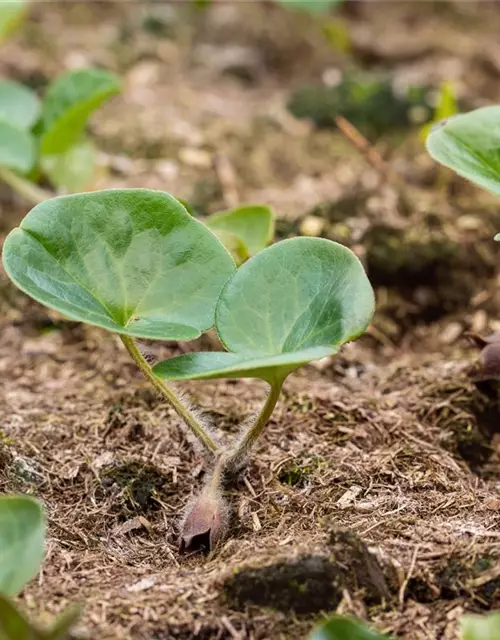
point(183, 412)
point(23, 187)
point(245, 444)
point(215, 481)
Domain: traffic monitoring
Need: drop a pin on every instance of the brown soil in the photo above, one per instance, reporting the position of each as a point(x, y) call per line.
point(374, 491)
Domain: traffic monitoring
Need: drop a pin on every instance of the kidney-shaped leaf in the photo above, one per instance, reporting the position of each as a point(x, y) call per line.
point(294, 302)
point(22, 531)
point(69, 102)
point(18, 104)
point(470, 145)
point(132, 261)
point(17, 148)
point(340, 628)
point(252, 224)
point(480, 627)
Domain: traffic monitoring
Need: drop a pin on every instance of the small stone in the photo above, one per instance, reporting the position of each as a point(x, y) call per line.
point(451, 333)
point(167, 169)
point(47, 344)
point(196, 158)
point(312, 226)
point(492, 504)
point(142, 585)
point(469, 223)
point(479, 321)
point(347, 498)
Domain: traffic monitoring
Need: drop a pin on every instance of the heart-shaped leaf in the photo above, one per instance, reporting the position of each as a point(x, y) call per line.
point(22, 531)
point(72, 170)
point(294, 302)
point(132, 261)
point(470, 145)
point(252, 224)
point(11, 14)
point(19, 105)
point(17, 148)
point(480, 627)
point(68, 103)
point(340, 628)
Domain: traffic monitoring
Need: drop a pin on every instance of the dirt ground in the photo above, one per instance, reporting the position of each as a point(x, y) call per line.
point(375, 490)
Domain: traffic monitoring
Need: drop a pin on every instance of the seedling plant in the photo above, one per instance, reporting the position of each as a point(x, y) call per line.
point(46, 139)
point(136, 263)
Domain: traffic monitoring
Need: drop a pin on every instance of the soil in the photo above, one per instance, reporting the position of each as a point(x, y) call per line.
point(375, 489)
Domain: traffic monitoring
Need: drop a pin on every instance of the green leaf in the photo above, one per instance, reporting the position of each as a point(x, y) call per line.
point(69, 102)
point(131, 261)
point(252, 224)
point(17, 148)
point(470, 145)
point(311, 6)
point(13, 625)
point(446, 108)
point(220, 364)
point(22, 530)
point(294, 302)
point(340, 628)
point(72, 170)
point(480, 627)
point(19, 105)
point(11, 14)
point(234, 244)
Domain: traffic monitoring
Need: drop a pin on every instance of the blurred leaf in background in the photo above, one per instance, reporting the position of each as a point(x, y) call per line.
point(369, 101)
point(311, 6)
point(341, 628)
point(22, 532)
point(446, 107)
point(245, 230)
point(480, 627)
point(336, 32)
point(11, 14)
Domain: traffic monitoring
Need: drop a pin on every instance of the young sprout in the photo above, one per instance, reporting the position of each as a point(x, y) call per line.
point(48, 137)
point(294, 302)
point(136, 263)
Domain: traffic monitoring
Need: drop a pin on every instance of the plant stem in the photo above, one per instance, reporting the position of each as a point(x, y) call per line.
point(183, 412)
point(241, 449)
point(23, 187)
